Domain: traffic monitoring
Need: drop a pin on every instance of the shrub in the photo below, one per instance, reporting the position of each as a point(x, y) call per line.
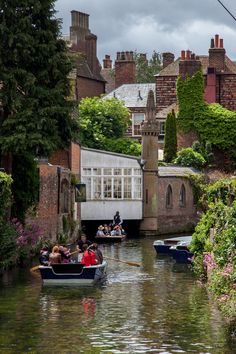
point(170, 143)
point(189, 157)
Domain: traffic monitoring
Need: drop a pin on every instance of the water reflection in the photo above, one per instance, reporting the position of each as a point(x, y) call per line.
point(157, 308)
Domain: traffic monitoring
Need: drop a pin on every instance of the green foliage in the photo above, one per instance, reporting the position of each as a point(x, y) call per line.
point(5, 194)
point(170, 142)
point(214, 243)
point(215, 125)
point(36, 115)
point(26, 184)
point(8, 250)
point(123, 146)
point(101, 119)
point(199, 187)
point(189, 157)
point(146, 69)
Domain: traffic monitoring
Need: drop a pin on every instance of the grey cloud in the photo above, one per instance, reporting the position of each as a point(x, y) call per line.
point(154, 24)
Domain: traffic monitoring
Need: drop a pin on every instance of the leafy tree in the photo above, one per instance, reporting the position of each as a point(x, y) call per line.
point(146, 69)
point(101, 119)
point(189, 157)
point(124, 146)
point(170, 142)
point(35, 115)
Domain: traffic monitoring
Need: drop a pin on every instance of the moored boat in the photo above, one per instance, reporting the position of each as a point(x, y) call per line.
point(181, 253)
point(164, 246)
point(108, 238)
point(72, 274)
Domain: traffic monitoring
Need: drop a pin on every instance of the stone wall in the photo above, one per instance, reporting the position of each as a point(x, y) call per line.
point(175, 219)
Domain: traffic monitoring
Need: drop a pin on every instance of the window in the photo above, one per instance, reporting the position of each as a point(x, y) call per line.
point(127, 188)
point(107, 187)
point(87, 181)
point(169, 197)
point(137, 188)
point(162, 130)
point(117, 188)
point(137, 119)
point(182, 196)
point(97, 192)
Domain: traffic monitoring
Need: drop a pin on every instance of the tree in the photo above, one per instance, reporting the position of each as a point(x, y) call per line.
point(35, 115)
point(170, 141)
point(189, 157)
point(146, 69)
point(101, 119)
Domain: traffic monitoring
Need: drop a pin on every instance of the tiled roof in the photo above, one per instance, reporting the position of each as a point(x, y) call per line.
point(83, 70)
point(176, 171)
point(133, 95)
point(163, 113)
point(173, 68)
point(109, 78)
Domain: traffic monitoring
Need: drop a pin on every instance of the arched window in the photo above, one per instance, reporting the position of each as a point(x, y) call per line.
point(169, 197)
point(182, 196)
point(64, 196)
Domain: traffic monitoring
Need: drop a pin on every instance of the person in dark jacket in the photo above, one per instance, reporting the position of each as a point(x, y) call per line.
point(44, 256)
point(117, 219)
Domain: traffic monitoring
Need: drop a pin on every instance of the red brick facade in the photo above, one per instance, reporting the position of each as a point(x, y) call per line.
point(124, 69)
point(165, 91)
point(89, 87)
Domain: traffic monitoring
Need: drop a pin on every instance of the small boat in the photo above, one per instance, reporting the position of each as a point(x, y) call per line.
point(108, 238)
point(72, 274)
point(181, 254)
point(163, 246)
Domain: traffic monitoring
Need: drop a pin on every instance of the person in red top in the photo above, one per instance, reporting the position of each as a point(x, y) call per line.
point(89, 257)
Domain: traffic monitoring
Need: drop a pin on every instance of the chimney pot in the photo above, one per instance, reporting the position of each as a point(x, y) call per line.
point(182, 54)
point(212, 43)
point(188, 53)
point(216, 41)
point(192, 56)
point(221, 43)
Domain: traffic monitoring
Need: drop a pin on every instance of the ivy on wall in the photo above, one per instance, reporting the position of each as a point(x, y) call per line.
point(5, 193)
point(212, 122)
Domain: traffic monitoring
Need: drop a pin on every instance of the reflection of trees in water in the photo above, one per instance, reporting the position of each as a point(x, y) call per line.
point(174, 309)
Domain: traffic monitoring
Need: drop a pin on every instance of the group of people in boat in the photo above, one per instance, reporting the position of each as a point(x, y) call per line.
point(113, 229)
point(91, 254)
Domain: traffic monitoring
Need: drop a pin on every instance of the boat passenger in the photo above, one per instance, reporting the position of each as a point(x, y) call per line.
point(100, 231)
point(88, 256)
point(117, 219)
point(55, 256)
point(65, 254)
point(106, 230)
point(44, 256)
point(98, 253)
point(82, 241)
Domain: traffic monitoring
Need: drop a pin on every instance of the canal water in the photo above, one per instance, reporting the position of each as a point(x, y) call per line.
point(157, 308)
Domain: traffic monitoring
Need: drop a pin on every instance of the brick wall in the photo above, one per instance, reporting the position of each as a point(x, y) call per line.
point(165, 91)
point(60, 158)
point(227, 91)
point(185, 139)
point(89, 88)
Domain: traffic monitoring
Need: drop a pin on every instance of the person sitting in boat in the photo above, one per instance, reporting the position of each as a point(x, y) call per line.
point(55, 256)
point(98, 253)
point(100, 231)
point(83, 241)
point(117, 219)
point(106, 230)
point(89, 257)
point(65, 254)
point(116, 231)
point(44, 256)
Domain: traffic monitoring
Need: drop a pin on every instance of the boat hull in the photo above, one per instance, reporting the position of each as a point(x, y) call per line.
point(182, 256)
point(72, 274)
point(110, 238)
point(165, 246)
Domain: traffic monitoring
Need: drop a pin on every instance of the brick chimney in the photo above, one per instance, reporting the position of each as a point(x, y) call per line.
point(91, 51)
point(167, 58)
point(217, 54)
point(189, 64)
point(124, 69)
point(107, 62)
point(143, 57)
point(210, 88)
point(79, 28)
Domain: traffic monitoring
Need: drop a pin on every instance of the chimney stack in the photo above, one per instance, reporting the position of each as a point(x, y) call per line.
point(168, 58)
point(217, 54)
point(107, 62)
point(79, 28)
point(189, 63)
point(124, 68)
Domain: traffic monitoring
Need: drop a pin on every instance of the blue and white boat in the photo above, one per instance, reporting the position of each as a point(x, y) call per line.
point(165, 246)
point(73, 274)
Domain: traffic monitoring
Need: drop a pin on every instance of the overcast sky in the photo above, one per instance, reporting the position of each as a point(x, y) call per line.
point(161, 25)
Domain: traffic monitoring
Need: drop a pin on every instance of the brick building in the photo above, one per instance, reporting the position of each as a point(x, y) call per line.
point(83, 46)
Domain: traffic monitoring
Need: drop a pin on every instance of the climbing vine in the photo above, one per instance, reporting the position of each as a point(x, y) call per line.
point(5, 193)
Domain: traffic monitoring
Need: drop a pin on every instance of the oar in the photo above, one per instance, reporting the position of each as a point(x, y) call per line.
point(134, 264)
point(33, 269)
